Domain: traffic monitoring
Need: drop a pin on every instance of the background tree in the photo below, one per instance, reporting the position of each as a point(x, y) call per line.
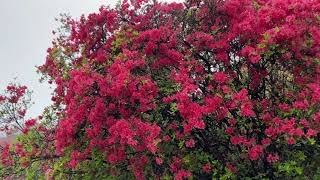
point(14, 102)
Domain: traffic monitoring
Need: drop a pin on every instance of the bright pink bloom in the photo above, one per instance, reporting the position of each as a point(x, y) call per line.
point(159, 161)
point(190, 143)
point(272, 158)
point(206, 168)
point(255, 152)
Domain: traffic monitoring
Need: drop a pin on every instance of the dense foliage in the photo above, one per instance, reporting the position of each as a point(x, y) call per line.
point(220, 89)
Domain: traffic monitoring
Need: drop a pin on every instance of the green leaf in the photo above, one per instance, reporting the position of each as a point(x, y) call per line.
point(299, 170)
point(311, 141)
point(173, 107)
point(181, 143)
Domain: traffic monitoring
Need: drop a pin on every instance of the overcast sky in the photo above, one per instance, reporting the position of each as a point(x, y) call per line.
point(25, 35)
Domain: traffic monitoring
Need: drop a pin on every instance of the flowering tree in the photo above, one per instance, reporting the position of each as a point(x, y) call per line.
point(201, 89)
point(14, 102)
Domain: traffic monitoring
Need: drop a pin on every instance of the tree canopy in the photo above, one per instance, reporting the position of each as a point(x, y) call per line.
point(205, 89)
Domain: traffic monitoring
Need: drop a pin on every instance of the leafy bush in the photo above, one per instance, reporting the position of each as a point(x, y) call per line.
point(202, 89)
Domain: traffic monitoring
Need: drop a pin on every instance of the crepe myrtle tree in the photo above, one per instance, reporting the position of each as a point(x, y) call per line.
point(205, 89)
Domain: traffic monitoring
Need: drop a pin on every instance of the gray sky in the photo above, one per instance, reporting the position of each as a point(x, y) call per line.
point(25, 35)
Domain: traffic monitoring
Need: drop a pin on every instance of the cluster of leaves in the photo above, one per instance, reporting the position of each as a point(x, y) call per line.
point(203, 89)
